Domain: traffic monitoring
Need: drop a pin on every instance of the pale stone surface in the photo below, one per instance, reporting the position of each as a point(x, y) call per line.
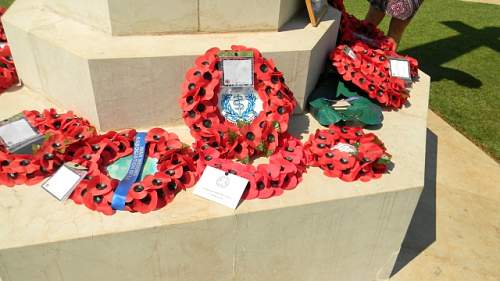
point(323, 229)
point(132, 17)
point(454, 234)
point(101, 76)
point(153, 16)
point(95, 13)
point(230, 15)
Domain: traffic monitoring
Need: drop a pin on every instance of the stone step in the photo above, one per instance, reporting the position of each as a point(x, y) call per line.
point(132, 17)
point(323, 229)
point(103, 76)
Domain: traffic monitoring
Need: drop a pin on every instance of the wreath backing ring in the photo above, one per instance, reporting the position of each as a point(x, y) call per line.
point(176, 171)
point(62, 131)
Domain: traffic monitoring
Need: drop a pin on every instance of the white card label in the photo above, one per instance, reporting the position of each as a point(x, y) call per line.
point(237, 72)
point(16, 132)
point(400, 68)
point(63, 182)
point(348, 51)
point(345, 147)
point(222, 188)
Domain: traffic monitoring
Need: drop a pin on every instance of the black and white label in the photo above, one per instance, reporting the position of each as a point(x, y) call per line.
point(400, 68)
point(17, 132)
point(64, 181)
point(220, 187)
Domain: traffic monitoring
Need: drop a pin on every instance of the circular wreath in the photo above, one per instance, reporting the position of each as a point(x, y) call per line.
point(369, 71)
point(218, 140)
point(61, 132)
point(347, 153)
point(284, 172)
point(176, 171)
point(242, 141)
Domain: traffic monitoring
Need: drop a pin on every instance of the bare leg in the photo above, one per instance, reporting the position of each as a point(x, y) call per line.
point(374, 15)
point(397, 28)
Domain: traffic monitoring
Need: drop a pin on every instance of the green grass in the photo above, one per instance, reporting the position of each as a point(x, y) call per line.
point(458, 44)
point(5, 3)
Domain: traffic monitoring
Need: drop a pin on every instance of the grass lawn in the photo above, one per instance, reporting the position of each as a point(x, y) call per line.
point(458, 45)
point(5, 3)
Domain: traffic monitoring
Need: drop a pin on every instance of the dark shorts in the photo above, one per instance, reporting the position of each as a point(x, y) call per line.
point(400, 9)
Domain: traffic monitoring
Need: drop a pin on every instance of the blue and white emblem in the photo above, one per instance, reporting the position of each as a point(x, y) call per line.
point(240, 104)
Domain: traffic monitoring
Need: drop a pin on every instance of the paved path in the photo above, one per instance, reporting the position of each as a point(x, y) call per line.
point(496, 2)
point(455, 232)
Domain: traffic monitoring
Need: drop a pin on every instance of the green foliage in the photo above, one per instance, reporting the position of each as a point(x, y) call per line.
point(6, 3)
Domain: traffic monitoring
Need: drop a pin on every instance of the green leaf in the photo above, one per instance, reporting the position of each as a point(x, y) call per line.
point(245, 160)
point(364, 111)
point(232, 136)
point(261, 147)
point(385, 159)
point(323, 112)
point(241, 123)
point(276, 125)
point(346, 90)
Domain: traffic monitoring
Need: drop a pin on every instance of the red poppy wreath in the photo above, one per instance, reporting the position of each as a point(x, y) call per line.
point(243, 141)
point(219, 140)
point(8, 74)
point(347, 153)
point(61, 132)
point(175, 171)
point(368, 69)
point(367, 64)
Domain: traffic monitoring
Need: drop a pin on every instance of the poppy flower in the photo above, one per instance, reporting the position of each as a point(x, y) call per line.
point(95, 198)
point(343, 160)
point(252, 134)
point(351, 174)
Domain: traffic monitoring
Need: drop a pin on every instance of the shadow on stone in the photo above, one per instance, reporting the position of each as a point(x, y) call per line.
point(422, 230)
point(299, 125)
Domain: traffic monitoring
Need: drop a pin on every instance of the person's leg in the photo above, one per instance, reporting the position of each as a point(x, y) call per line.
point(397, 28)
point(374, 15)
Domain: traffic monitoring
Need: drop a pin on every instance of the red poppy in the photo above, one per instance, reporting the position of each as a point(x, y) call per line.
point(252, 134)
point(351, 174)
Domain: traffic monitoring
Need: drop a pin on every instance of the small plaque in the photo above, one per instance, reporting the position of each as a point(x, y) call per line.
point(237, 68)
point(64, 181)
point(350, 53)
point(16, 132)
point(220, 187)
point(400, 68)
point(345, 147)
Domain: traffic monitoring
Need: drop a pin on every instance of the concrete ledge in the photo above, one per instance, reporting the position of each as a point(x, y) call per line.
point(324, 229)
point(101, 76)
point(133, 17)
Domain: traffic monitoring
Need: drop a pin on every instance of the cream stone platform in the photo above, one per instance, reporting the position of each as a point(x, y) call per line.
point(325, 229)
point(130, 17)
point(68, 51)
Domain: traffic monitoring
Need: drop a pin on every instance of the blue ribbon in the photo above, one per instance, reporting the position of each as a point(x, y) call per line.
point(134, 171)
